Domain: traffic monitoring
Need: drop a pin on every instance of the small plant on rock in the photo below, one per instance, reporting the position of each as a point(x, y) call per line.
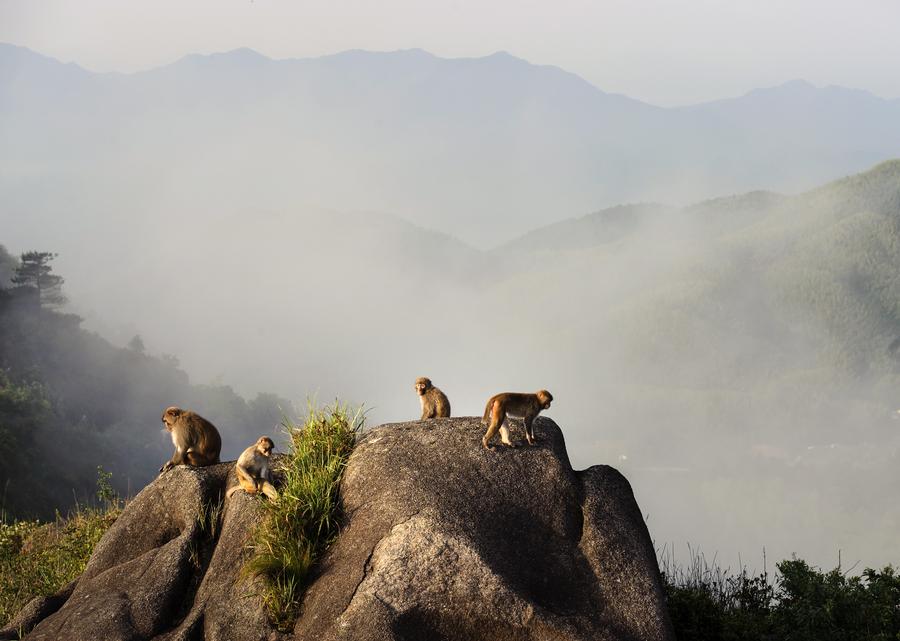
point(304, 521)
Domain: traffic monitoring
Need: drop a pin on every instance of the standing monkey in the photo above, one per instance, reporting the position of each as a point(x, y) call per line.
point(197, 441)
point(253, 471)
point(525, 406)
point(434, 402)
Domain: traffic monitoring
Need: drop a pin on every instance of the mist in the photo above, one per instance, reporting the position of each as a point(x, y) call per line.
point(729, 356)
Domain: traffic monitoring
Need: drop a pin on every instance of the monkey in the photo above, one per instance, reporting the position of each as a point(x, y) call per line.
point(434, 401)
point(197, 441)
point(252, 469)
point(525, 406)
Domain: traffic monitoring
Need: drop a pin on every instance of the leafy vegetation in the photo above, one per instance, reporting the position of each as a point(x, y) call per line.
point(799, 603)
point(38, 559)
point(301, 524)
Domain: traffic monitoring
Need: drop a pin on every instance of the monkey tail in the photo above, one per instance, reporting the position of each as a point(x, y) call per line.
point(487, 411)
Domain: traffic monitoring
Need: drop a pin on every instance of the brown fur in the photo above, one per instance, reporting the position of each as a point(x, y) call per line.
point(197, 441)
point(253, 469)
point(525, 406)
point(434, 401)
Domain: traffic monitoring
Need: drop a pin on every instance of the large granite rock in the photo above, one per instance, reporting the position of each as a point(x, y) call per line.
point(443, 540)
point(167, 569)
point(446, 540)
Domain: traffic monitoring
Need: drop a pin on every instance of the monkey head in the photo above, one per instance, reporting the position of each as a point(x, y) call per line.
point(170, 416)
point(265, 445)
point(545, 398)
point(422, 385)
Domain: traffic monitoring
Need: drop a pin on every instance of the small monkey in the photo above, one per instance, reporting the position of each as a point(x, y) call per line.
point(252, 469)
point(525, 406)
point(434, 401)
point(197, 441)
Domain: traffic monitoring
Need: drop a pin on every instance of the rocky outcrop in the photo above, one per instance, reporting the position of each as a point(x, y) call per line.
point(448, 541)
point(443, 540)
point(168, 568)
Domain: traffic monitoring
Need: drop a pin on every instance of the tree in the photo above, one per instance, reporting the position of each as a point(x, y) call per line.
point(136, 344)
point(35, 271)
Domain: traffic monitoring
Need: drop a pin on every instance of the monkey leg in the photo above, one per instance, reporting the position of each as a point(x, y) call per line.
point(491, 432)
point(504, 435)
point(529, 430)
point(197, 459)
point(246, 481)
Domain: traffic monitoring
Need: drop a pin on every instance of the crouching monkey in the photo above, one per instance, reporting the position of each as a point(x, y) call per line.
point(253, 470)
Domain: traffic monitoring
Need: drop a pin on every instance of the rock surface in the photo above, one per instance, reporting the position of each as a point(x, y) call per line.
point(443, 540)
point(449, 541)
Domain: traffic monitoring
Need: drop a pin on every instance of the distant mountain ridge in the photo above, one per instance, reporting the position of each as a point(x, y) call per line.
point(480, 148)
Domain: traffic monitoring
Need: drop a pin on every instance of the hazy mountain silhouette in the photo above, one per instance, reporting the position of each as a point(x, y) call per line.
point(482, 148)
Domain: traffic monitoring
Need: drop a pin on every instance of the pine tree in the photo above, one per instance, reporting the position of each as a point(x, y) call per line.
point(35, 271)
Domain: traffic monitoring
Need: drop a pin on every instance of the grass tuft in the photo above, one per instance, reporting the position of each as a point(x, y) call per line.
point(301, 524)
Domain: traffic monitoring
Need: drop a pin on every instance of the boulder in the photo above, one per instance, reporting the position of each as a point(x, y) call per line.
point(446, 540)
point(167, 569)
point(442, 540)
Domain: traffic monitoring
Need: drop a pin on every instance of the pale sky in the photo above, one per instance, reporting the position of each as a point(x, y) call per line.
point(665, 52)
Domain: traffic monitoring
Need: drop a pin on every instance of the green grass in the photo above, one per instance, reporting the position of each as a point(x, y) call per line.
point(300, 525)
point(37, 559)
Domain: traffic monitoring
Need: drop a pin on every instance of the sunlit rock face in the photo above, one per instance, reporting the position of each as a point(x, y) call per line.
point(447, 540)
point(442, 540)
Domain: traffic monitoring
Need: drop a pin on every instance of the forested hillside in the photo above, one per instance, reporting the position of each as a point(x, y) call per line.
point(737, 357)
point(70, 402)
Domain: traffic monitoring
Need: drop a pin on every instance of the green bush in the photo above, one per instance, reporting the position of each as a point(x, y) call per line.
point(301, 524)
point(800, 603)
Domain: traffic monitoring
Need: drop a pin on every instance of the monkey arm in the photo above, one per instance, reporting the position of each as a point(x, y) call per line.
point(269, 490)
point(177, 459)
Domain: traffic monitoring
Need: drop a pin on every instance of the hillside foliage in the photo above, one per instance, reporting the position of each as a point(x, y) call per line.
point(71, 401)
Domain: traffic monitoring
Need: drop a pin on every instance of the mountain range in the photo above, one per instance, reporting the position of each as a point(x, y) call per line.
point(483, 148)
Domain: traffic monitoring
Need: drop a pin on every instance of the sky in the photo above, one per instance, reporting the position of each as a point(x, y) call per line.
point(661, 51)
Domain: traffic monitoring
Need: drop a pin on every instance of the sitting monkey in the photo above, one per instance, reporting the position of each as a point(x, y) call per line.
point(434, 402)
point(196, 440)
point(252, 469)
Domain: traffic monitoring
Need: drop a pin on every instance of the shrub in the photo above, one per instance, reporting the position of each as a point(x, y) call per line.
point(800, 603)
